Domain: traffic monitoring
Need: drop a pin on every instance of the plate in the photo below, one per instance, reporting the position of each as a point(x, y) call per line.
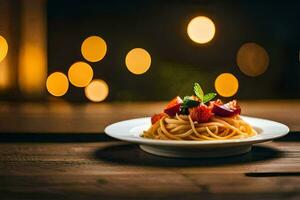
point(130, 131)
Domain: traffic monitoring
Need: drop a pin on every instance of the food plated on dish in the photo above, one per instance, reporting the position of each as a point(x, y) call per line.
point(197, 126)
point(197, 117)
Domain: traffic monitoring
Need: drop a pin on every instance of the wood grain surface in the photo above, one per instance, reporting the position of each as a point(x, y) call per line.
point(117, 170)
point(37, 164)
point(62, 117)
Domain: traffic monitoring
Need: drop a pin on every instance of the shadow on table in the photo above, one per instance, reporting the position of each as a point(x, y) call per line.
point(131, 154)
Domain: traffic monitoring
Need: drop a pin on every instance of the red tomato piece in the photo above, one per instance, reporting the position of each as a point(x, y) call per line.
point(227, 110)
point(157, 117)
point(173, 106)
point(201, 113)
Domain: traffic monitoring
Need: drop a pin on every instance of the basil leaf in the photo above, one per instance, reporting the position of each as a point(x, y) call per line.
point(188, 103)
point(198, 91)
point(209, 96)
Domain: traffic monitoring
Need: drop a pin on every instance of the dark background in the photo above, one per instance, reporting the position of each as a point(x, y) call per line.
point(177, 62)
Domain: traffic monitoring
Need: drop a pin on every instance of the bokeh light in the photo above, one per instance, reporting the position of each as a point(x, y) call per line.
point(3, 48)
point(80, 74)
point(252, 59)
point(226, 84)
point(138, 61)
point(97, 90)
point(201, 29)
point(57, 84)
point(32, 71)
point(32, 48)
point(93, 48)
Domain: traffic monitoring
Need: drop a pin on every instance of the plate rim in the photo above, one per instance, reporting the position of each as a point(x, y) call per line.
point(205, 143)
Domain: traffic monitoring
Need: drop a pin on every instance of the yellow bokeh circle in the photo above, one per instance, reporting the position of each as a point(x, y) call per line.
point(80, 74)
point(201, 29)
point(93, 48)
point(3, 48)
point(97, 90)
point(57, 84)
point(226, 85)
point(252, 59)
point(138, 61)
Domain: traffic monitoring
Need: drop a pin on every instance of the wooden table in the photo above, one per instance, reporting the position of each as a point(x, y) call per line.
point(71, 165)
point(61, 117)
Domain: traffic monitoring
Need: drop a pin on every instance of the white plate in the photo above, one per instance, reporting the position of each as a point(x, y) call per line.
point(130, 131)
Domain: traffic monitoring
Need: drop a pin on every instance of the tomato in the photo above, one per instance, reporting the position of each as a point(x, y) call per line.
point(173, 107)
point(157, 117)
point(201, 113)
point(177, 100)
point(227, 110)
point(216, 102)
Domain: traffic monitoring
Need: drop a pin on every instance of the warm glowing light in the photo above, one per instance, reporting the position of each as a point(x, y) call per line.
point(8, 60)
point(201, 29)
point(138, 61)
point(252, 59)
point(32, 70)
point(3, 48)
point(5, 78)
point(97, 90)
point(80, 74)
point(57, 84)
point(93, 48)
point(226, 84)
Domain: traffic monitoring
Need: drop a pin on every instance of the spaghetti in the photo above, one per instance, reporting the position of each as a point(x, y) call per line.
point(182, 127)
point(192, 119)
